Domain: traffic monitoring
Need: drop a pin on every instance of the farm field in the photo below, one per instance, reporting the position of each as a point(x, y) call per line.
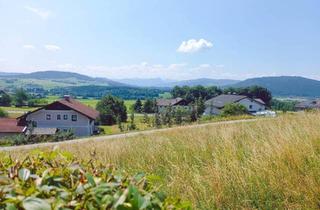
point(267, 164)
point(17, 111)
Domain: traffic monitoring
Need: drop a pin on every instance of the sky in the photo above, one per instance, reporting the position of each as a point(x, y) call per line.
point(169, 39)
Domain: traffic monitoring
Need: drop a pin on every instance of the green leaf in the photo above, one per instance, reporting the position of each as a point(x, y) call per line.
point(32, 203)
point(90, 180)
point(24, 174)
point(11, 206)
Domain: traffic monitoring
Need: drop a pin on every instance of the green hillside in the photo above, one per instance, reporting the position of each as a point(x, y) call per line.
point(285, 85)
point(51, 79)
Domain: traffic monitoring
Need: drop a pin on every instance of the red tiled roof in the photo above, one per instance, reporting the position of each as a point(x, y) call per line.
point(8, 125)
point(79, 107)
point(72, 104)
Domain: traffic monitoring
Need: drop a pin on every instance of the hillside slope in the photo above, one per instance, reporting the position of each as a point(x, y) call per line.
point(52, 79)
point(267, 164)
point(285, 85)
point(158, 82)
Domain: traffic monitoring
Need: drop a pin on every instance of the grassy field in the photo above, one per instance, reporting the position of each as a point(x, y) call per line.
point(268, 164)
point(17, 111)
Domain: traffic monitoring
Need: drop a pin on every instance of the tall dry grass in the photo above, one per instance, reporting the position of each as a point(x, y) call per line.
point(258, 165)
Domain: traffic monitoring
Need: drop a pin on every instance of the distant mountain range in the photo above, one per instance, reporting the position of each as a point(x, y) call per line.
point(157, 82)
point(279, 86)
point(285, 85)
point(152, 82)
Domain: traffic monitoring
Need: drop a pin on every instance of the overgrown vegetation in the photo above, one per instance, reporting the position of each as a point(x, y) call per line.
point(22, 139)
point(234, 110)
point(56, 180)
point(192, 94)
point(3, 113)
point(266, 164)
point(283, 105)
point(111, 109)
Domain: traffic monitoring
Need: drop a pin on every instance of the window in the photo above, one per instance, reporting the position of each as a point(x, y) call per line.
point(58, 117)
point(48, 117)
point(74, 117)
point(250, 106)
point(34, 124)
point(65, 117)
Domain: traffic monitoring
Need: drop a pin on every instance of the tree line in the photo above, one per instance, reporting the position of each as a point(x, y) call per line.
point(20, 98)
point(191, 94)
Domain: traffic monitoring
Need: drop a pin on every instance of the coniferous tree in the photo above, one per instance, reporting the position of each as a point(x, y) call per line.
point(137, 106)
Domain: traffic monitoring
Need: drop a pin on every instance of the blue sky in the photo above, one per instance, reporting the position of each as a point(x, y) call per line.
point(168, 39)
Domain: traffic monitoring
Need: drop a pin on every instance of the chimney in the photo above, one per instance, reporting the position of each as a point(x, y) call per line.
point(67, 97)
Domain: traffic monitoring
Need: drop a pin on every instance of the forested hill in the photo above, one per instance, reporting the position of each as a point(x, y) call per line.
point(51, 79)
point(99, 91)
point(285, 85)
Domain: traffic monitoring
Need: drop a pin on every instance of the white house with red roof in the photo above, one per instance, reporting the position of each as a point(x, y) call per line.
point(65, 114)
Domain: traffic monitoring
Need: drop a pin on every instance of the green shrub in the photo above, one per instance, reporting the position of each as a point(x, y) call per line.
point(3, 113)
point(110, 107)
point(234, 109)
point(56, 180)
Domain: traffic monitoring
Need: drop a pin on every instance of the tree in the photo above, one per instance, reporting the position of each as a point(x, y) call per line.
point(21, 97)
point(193, 115)
point(192, 94)
point(137, 106)
point(5, 99)
point(178, 116)
point(200, 107)
point(149, 106)
point(234, 109)
point(119, 123)
point(166, 116)
point(3, 113)
point(146, 119)
point(283, 105)
point(110, 108)
point(132, 125)
point(157, 120)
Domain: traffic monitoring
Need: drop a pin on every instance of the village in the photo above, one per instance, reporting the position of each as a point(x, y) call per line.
point(68, 115)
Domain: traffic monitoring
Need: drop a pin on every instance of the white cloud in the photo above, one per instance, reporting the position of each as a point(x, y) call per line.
point(29, 47)
point(44, 14)
point(205, 65)
point(177, 65)
point(52, 47)
point(194, 45)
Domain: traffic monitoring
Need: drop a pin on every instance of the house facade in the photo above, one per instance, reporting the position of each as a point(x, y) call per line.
point(163, 104)
point(65, 114)
point(215, 105)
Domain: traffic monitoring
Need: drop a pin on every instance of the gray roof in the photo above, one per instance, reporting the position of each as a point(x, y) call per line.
point(222, 100)
point(311, 104)
point(169, 102)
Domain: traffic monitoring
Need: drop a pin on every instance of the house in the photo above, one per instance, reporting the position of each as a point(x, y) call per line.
point(215, 105)
point(64, 114)
point(306, 105)
point(10, 127)
point(163, 104)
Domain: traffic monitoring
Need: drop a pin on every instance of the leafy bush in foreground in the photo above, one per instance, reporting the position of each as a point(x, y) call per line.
point(3, 113)
point(56, 180)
